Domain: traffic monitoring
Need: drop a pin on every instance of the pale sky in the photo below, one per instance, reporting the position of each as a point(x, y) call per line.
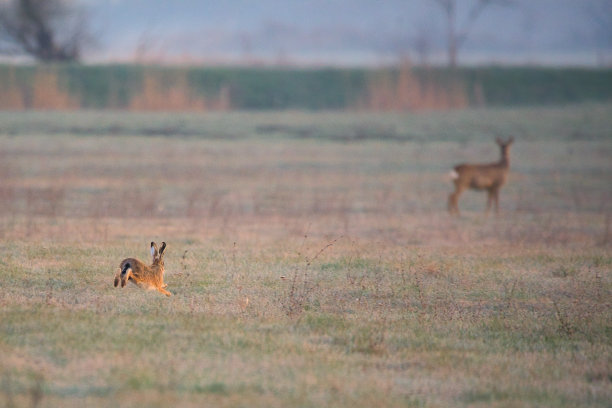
point(345, 32)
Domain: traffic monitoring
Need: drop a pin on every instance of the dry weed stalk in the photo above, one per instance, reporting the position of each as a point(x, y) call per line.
point(420, 294)
point(301, 287)
point(509, 294)
point(230, 271)
point(184, 264)
point(606, 233)
point(236, 279)
point(565, 326)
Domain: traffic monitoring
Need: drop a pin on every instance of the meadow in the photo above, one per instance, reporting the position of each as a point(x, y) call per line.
point(311, 259)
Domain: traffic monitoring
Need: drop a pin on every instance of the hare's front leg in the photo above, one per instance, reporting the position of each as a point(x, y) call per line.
point(164, 291)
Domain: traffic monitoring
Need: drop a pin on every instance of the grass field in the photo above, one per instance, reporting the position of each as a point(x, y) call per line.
point(361, 290)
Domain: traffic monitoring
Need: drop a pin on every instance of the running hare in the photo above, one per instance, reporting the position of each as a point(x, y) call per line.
point(148, 277)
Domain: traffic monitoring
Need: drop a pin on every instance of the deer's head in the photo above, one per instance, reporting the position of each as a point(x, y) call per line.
point(505, 146)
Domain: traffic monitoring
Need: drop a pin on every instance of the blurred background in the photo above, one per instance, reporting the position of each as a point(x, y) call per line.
point(341, 54)
point(223, 110)
point(353, 33)
point(330, 33)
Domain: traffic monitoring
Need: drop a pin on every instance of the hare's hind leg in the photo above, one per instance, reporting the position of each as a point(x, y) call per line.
point(126, 274)
point(126, 277)
point(117, 276)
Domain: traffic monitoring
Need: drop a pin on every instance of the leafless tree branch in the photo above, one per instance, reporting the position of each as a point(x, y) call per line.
point(47, 30)
point(456, 37)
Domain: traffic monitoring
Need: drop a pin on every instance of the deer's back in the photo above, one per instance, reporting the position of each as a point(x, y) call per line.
point(481, 176)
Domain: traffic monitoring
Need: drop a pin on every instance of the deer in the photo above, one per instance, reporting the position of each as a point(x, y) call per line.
point(489, 177)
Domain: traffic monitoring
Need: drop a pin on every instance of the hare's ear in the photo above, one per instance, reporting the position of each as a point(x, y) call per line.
point(499, 141)
point(162, 249)
point(510, 141)
point(153, 250)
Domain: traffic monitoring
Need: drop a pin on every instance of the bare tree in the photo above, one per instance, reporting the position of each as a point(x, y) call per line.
point(422, 43)
point(457, 35)
point(47, 30)
point(599, 13)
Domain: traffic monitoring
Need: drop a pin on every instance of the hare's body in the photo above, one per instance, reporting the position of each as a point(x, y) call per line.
point(146, 276)
point(489, 177)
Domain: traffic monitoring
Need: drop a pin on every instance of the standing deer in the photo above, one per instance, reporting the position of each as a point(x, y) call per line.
point(490, 177)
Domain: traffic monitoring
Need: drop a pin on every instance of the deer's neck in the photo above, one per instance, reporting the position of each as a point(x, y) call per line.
point(504, 161)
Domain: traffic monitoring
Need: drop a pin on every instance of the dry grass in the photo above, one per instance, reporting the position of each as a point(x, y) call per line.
point(159, 92)
point(306, 272)
point(165, 93)
point(406, 92)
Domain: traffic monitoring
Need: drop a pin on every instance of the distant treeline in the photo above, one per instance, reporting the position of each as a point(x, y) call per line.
point(136, 87)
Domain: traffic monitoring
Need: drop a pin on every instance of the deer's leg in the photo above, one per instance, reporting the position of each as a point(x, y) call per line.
point(490, 199)
point(453, 208)
point(453, 200)
point(496, 198)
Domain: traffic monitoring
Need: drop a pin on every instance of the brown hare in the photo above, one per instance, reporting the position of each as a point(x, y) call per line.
point(145, 276)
